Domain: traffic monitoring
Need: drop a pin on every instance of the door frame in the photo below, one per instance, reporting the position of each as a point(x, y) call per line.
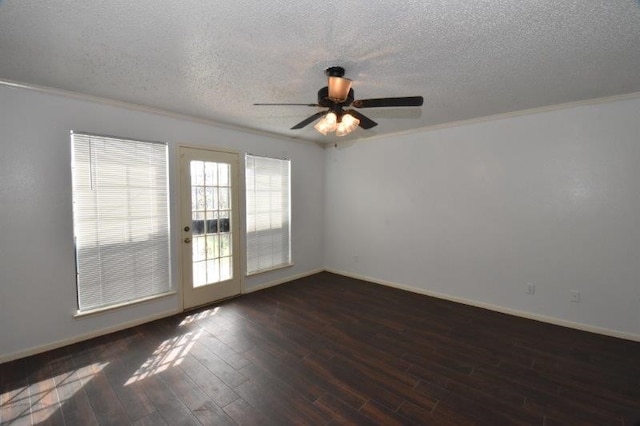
point(240, 223)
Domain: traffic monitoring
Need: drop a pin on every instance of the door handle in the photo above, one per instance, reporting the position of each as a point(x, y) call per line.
point(187, 240)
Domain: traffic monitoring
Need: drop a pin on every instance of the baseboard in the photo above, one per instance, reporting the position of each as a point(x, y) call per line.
point(86, 336)
point(496, 308)
point(282, 280)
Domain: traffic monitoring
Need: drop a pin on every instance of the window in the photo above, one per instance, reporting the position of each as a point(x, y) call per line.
point(268, 213)
point(121, 220)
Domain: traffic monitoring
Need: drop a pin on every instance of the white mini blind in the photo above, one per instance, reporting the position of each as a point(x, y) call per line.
point(121, 220)
point(268, 213)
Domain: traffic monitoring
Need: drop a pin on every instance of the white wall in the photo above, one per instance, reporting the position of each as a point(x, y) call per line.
point(37, 281)
point(474, 212)
point(471, 213)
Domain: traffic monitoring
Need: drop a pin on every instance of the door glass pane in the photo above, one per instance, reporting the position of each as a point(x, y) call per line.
point(223, 173)
point(225, 268)
point(212, 247)
point(197, 173)
point(198, 249)
point(211, 173)
point(213, 268)
point(223, 198)
point(211, 227)
point(225, 245)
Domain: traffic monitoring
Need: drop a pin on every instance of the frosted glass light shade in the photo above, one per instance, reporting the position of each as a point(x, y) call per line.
point(347, 125)
point(339, 88)
point(332, 121)
point(327, 124)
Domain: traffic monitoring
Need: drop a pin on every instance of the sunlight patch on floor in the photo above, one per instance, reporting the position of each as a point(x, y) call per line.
point(170, 353)
point(37, 402)
point(200, 316)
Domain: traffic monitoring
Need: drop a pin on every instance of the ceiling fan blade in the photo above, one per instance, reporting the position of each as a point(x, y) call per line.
point(311, 105)
point(308, 120)
point(365, 122)
point(408, 101)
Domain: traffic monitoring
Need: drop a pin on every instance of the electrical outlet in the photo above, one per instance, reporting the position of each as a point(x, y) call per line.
point(530, 288)
point(575, 296)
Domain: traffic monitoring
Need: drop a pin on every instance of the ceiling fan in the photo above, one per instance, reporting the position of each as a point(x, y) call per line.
point(337, 96)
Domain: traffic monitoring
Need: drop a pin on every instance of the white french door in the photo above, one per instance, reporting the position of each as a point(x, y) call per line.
point(209, 226)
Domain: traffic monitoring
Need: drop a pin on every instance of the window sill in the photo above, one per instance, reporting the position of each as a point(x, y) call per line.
point(275, 268)
point(96, 311)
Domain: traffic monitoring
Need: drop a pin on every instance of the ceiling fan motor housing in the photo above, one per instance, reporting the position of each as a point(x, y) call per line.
point(325, 101)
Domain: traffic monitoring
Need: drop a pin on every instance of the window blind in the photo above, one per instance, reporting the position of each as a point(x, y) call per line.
point(268, 213)
point(121, 220)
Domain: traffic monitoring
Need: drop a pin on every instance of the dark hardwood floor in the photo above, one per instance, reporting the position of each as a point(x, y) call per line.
point(330, 350)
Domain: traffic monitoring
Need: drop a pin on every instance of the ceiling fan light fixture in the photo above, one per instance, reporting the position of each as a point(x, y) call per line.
point(339, 88)
point(337, 96)
point(347, 125)
point(327, 124)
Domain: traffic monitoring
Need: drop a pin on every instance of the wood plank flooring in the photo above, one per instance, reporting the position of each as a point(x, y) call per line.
point(329, 350)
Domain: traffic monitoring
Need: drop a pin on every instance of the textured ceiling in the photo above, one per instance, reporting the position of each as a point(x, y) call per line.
point(213, 59)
